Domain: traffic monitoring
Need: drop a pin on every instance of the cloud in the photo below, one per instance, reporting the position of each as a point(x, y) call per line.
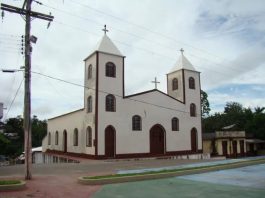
point(224, 40)
point(249, 95)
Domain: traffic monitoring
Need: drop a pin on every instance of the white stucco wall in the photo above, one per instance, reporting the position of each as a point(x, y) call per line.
point(154, 108)
point(178, 93)
point(129, 141)
point(69, 122)
point(149, 107)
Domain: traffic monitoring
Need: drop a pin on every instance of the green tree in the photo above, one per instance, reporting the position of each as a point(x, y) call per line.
point(234, 113)
point(15, 146)
point(253, 122)
point(4, 142)
point(39, 130)
point(205, 105)
point(233, 108)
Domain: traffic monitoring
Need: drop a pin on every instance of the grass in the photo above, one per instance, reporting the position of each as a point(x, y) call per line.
point(165, 171)
point(9, 182)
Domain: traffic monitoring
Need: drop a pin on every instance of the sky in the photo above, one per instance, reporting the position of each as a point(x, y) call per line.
point(223, 39)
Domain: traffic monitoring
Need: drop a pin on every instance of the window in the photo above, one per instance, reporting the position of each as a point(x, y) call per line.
point(174, 84)
point(76, 137)
point(175, 124)
point(49, 138)
point(89, 137)
point(89, 72)
point(56, 137)
point(110, 103)
point(110, 69)
point(191, 83)
point(136, 123)
point(89, 104)
point(192, 110)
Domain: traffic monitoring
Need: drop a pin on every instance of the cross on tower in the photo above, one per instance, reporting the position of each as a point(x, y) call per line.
point(156, 82)
point(105, 29)
point(182, 51)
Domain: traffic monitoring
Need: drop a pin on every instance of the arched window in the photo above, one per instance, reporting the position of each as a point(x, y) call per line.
point(175, 124)
point(89, 104)
point(110, 69)
point(56, 137)
point(89, 72)
point(136, 123)
point(88, 136)
point(192, 110)
point(191, 83)
point(174, 84)
point(76, 137)
point(110, 103)
point(49, 138)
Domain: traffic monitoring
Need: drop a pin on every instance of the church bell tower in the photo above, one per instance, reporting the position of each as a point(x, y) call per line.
point(183, 81)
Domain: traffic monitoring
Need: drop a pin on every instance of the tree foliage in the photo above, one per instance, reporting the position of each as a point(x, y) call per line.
point(246, 119)
point(12, 141)
point(205, 105)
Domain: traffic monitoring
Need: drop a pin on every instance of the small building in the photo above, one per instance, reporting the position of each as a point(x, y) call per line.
point(255, 147)
point(37, 155)
point(225, 143)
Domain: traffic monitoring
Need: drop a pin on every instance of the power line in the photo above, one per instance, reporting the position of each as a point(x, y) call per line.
point(143, 49)
point(10, 106)
point(135, 35)
point(101, 24)
point(144, 28)
point(123, 43)
point(101, 91)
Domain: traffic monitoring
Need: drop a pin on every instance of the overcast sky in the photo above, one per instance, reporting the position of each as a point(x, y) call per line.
point(224, 40)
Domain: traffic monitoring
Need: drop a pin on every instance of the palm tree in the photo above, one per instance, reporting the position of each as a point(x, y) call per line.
point(259, 110)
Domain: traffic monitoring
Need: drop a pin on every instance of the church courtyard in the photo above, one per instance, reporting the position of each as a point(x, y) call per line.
point(60, 180)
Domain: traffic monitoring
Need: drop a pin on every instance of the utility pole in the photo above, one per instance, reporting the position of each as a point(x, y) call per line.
point(27, 96)
point(27, 74)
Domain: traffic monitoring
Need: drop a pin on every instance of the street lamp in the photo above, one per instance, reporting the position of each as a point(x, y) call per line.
point(9, 70)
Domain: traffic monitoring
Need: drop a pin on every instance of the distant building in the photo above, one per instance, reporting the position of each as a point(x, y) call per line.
point(225, 143)
point(146, 124)
point(255, 147)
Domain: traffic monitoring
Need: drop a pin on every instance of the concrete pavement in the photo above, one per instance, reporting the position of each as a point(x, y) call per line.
point(243, 183)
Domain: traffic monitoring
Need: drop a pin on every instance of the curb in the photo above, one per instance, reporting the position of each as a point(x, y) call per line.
point(14, 187)
point(180, 172)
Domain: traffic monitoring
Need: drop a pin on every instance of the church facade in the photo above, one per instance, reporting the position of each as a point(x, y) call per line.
point(146, 124)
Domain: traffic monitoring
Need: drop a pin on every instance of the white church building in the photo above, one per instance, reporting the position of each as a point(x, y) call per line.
point(146, 124)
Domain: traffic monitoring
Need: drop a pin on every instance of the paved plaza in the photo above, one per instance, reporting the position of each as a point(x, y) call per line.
point(60, 180)
point(246, 182)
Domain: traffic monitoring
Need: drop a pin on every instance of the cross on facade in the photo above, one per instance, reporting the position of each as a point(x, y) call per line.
point(182, 51)
point(156, 82)
point(105, 29)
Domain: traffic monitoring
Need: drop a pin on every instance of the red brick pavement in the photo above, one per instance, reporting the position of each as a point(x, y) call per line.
point(52, 187)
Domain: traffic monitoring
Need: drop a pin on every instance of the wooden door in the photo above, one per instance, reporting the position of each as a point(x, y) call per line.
point(224, 148)
point(193, 137)
point(157, 140)
point(110, 142)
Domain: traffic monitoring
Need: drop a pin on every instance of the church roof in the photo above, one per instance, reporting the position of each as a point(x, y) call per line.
point(182, 63)
point(105, 45)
